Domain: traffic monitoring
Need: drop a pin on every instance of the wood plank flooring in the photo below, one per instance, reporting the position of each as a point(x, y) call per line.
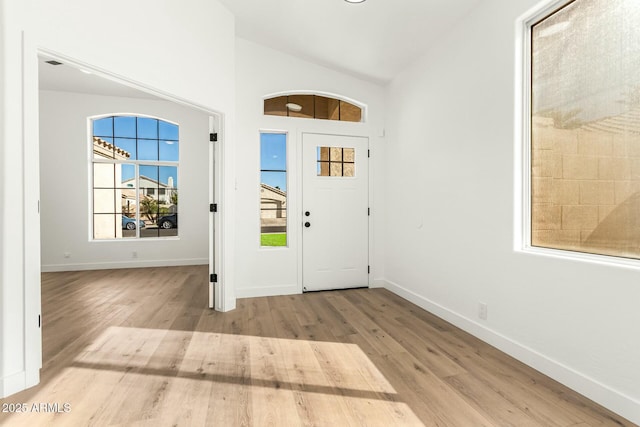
point(138, 348)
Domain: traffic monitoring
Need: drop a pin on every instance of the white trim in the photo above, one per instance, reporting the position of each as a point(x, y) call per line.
point(606, 396)
point(13, 383)
point(49, 268)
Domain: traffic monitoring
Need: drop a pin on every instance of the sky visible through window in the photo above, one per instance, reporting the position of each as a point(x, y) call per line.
point(273, 160)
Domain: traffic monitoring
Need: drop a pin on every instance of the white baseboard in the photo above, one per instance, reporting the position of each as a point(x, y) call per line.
point(615, 401)
point(49, 268)
point(12, 384)
point(378, 283)
point(267, 291)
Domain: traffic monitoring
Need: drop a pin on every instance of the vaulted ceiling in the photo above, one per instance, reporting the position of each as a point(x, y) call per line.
point(374, 40)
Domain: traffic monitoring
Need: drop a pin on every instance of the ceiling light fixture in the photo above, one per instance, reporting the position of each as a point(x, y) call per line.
point(355, 1)
point(293, 107)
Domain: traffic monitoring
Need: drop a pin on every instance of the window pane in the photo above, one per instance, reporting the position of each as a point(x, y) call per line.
point(148, 176)
point(349, 112)
point(349, 169)
point(275, 106)
point(128, 203)
point(273, 190)
point(323, 153)
point(277, 180)
point(104, 200)
point(168, 131)
point(147, 128)
point(125, 149)
point(127, 176)
point(323, 168)
point(168, 176)
point(103, 127)
point(125, 127)
point(169, 151)
point(349, 154)
point(273, 152)
point(167, 188)
point(149, 207)
point(128, 225)
point(102, 149)
point(307, 104)
point(336, 154)
point(104, 175)
point(336, 169)
point(585, 133)
point(104, 226)
point(147, 149)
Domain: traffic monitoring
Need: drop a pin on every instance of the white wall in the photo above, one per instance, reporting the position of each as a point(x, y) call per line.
point(64, 197)
point(162, 45)
point(262, 71)
point(451, 167)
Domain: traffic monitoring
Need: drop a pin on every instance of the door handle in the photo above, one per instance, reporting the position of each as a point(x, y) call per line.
point(307, 224)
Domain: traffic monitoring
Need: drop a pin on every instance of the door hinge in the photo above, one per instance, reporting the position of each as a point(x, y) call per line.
point(368, 269)
point(213, 207)
point(368, 153)
point(39, 321)
point(213, 278)
point(213, 137)
point(369, 211)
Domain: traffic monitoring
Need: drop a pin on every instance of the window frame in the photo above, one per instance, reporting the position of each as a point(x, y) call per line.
point(92, 160)
point(523, 204)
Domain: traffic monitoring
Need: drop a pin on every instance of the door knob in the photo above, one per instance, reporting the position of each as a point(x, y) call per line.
point(307, 224)
point(307, 213)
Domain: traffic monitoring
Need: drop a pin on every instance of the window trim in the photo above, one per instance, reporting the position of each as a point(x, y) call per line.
point(522, 149)
point(91, 160)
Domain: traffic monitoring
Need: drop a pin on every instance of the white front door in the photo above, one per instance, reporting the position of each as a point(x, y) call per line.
point(335, 232)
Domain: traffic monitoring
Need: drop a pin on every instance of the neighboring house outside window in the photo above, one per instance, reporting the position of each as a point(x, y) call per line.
point(134, 186)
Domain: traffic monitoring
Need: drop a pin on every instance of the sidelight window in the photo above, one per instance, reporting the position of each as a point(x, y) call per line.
point(273, 189)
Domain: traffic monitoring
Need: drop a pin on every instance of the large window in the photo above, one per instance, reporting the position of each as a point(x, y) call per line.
point(585, 128)
point(135, 178)
point(273, 189)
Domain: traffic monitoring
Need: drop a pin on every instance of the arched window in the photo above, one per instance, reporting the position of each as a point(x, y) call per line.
point(312, 107)
point(134, 188)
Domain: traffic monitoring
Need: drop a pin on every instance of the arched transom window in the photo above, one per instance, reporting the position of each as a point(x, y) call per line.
point(312, 107)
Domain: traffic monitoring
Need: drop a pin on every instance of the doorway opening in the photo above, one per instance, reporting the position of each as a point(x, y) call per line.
point(69, 90)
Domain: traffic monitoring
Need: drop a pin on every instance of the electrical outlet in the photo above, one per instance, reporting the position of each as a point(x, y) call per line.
point(134, 254)
point(67, 254)
point(482, 310)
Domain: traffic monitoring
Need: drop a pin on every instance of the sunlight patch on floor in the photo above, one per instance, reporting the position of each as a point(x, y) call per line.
point(137, 376)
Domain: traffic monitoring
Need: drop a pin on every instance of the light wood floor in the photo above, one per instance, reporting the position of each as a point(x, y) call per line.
point(137, 348)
